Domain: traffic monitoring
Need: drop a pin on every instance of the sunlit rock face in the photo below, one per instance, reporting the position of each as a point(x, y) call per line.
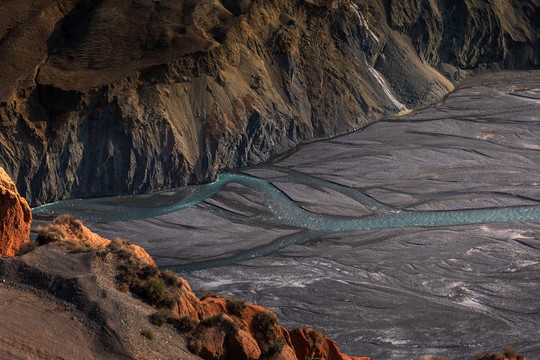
point(15, 217)
point(119, 97)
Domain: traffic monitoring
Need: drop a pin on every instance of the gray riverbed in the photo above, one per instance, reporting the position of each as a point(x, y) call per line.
point(386, 293)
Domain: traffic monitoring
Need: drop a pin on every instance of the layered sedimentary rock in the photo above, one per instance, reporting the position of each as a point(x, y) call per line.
point(15, 217)
point(117, 96)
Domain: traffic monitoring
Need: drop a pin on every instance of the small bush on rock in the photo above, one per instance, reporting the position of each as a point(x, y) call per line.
point(76, 247)
point(315, 338)
point(170, 278)
point(184, 323)
point(155, 291)
point(236, 306)
point(212, 320)
point(510, 351)
point(266, 333)
point(149, 334)
point(27, 247)
point(159, 318)
point(209, 294)
point(160, 289)
point(54, 232)
point(148, 271)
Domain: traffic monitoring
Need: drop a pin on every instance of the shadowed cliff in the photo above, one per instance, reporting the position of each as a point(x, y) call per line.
point(115, 96)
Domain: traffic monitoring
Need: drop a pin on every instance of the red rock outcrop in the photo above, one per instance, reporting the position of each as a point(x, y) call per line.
point(509, 353)
point(239, 337)
point(15, 217)
point(188, 304)
point(68, 230)
point(310, 343)
point(211, 343)
point(243, 346)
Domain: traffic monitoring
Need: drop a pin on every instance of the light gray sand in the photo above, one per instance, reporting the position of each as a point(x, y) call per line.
point(390, 293)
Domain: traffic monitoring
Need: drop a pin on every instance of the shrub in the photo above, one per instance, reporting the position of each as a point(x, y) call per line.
point(195, 345)
point(55, 232)
point(127, 274)
point(118, 245)
point(212, 320)
point(510, 351)
point(184, 323)
point(229, 325)
point(155, 291)
point(266, 333)
point(69, 220)
point(27, 247)
point(169, 301)
point(275, 347)
point(146, 281)
point(170, 278)
point(479, 355)
point(148, 271)
point(236, 306)
point(49, 234)
point(159, 318)
point(149, 334)
point(77, 247)
point(207, 294)
point(315, 337)
point(123, 287)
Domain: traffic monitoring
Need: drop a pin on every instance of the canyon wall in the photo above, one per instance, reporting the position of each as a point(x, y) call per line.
point(126, 96)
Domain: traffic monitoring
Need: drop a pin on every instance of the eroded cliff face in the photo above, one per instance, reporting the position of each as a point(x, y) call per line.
point(118, 96)
point(15, 217)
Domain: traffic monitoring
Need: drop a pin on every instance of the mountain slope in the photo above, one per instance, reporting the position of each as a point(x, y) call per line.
point(118, 96)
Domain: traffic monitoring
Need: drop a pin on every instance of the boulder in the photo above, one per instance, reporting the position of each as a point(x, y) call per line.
point(311, 343)
point(287, 353)
point(209, 343)
point(15, 217)
point(243, 345)
point(188, 304)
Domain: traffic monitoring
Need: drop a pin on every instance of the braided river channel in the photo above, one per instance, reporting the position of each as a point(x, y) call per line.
point(418, 235)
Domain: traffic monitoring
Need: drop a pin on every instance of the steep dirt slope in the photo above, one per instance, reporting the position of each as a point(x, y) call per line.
point(125, 96)
point(74, 311)
point(58, 303)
